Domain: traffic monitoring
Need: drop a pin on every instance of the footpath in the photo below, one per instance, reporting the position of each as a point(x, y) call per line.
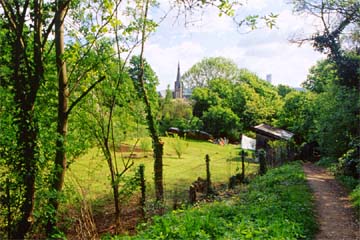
point(335, 216)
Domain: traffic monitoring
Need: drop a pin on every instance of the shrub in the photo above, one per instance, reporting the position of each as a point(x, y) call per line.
point(179, 145)
point(355, 197)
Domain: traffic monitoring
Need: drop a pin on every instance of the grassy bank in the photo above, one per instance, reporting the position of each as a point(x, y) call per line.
point(91, 171)
point(275, 206)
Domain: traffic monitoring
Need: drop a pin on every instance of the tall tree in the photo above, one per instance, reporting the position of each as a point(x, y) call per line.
point(27, 38)
point(200, 74)
point(336, 18)
point(140, 84)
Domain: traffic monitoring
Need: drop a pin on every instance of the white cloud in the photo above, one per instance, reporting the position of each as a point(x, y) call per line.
point(263, 51)
point(164, 60)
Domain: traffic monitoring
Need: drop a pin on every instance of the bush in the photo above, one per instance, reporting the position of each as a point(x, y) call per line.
point(349, 163)
point(355, 197)
point(179, 145)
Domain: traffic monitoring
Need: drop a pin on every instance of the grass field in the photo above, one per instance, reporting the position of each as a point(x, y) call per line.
point(91, 173)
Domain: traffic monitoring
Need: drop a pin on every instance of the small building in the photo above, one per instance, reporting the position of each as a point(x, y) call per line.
point(275, 153)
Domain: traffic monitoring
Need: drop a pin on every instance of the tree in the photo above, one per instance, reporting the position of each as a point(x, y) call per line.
point(222, 122)
point(140, 86)
point(336, 17)
point(27, 40)
point(298, 114)
point(208, 69)
point(283, 90)
point(150, 80)
point(203, 99)
point(321, 76)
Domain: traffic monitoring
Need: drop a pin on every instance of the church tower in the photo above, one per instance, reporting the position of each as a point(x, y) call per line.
point(178, 91)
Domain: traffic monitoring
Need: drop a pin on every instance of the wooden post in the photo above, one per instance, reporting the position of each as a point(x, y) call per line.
point(192, 194)
point(242, 165)
point(262, 161)
point(143, 189)
point(209, 189)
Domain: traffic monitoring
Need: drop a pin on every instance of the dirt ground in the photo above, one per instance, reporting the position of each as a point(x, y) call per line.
point(336, 217)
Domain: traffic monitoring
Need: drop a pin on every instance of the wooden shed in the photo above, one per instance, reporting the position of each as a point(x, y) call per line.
point(265, 135)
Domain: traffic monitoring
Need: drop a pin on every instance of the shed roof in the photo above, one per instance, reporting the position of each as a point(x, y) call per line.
point(273, 132)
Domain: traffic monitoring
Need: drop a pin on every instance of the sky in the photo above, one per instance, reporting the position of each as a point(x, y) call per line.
point(262, 51)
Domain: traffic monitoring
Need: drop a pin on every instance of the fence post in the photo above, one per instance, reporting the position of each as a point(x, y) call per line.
point(262, 161)
point(192, 194)
point(209, 189)
point(242, 165)
point(143, 189)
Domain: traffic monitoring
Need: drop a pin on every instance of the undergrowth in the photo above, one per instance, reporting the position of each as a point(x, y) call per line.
point(277, 205)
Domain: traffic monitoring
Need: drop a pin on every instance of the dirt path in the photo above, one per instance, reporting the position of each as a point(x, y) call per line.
point(335, 216)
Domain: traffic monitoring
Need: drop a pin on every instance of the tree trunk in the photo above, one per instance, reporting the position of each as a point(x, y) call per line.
point(62, 121)
point(114, 183)
point(27, 82)
point(158, 146)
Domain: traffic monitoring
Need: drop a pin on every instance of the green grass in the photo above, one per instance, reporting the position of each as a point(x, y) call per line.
point(91, 172)
point(277, 205)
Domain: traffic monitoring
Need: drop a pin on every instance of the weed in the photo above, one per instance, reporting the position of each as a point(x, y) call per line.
point(179, 145)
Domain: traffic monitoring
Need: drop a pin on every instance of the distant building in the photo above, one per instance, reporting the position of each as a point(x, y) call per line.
point(178, 88)
point(269, 78)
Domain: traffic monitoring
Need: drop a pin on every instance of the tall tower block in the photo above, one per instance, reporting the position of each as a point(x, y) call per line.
point(269, 78)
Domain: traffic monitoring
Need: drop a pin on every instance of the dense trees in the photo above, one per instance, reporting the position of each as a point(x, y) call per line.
point(60, 97)
point(28, 82)
point(334, 116)
point(229, 100)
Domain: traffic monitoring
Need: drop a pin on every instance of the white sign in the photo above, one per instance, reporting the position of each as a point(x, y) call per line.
point(248, 143)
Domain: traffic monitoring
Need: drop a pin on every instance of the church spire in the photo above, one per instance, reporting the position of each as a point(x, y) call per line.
point(178, 73)
point(178, 93)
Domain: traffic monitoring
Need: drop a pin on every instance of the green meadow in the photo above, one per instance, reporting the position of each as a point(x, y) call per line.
point(90, 173)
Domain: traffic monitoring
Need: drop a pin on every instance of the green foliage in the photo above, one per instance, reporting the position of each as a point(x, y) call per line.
point(243, 98)
point(222, 122)
point(355, 197)
point(298, 113)
point(349, 163)
point(337, 120)
point(277, 205)
point(283, 90)
point(208, 69)
point(177, 113)
point(203, 98)
point(327, 162)
point(320, 76)
point(179, 145)
point(150, 80)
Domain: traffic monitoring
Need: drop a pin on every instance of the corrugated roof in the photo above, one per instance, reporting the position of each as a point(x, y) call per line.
point(273, 131)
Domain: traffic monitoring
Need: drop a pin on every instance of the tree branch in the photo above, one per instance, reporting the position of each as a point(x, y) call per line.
point(73, 104)
point(9, 14)
point(48, 30)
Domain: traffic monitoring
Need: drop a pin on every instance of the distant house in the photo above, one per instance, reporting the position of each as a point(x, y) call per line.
point(265, 135)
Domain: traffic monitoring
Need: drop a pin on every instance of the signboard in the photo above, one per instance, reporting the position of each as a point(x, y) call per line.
point(248, 143)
